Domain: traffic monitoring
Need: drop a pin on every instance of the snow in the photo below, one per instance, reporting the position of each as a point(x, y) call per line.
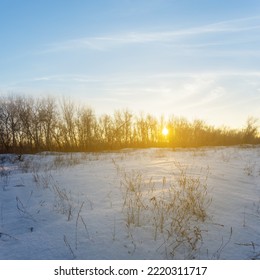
point(74, 205)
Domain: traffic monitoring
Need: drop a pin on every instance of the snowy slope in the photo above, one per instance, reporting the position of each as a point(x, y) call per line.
point(76, 206)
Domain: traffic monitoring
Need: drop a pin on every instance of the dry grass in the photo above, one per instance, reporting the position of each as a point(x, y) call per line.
point(174, 209)
point(4, 177)
point(250, 168)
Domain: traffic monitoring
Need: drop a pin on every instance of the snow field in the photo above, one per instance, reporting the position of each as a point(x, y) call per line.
point(133, 204)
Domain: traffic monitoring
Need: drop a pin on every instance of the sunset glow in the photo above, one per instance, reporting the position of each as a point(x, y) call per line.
point(193, 59)
point(165, 131)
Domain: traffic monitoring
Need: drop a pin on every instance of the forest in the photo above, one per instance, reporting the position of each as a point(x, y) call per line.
point(30, 125)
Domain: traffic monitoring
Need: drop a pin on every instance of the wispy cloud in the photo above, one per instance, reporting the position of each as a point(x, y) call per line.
point(205, 95)
point(67, 78)
point(105, 42)
point(163, 83)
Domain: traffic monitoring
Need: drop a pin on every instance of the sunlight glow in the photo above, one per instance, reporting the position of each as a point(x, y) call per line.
point(165, 131)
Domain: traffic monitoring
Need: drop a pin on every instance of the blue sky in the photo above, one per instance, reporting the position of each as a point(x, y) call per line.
point(190, 58)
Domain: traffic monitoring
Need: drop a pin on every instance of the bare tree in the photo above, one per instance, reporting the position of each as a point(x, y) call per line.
point(68, 123)
point(85, 123)
point(251, 130)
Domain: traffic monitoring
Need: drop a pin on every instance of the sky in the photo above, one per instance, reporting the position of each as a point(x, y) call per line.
point(198, 59)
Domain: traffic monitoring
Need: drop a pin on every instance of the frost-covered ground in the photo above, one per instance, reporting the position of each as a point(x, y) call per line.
point(130, 205)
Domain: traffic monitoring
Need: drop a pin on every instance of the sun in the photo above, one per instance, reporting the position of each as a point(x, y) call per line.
point(165, 131)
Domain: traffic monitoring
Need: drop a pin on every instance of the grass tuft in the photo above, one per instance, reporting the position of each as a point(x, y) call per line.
point(174, 209)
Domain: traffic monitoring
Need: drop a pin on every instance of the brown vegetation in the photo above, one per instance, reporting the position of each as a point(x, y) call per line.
point(35, 124)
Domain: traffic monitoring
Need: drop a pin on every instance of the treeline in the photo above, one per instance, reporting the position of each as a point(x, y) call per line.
point(30, 125)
